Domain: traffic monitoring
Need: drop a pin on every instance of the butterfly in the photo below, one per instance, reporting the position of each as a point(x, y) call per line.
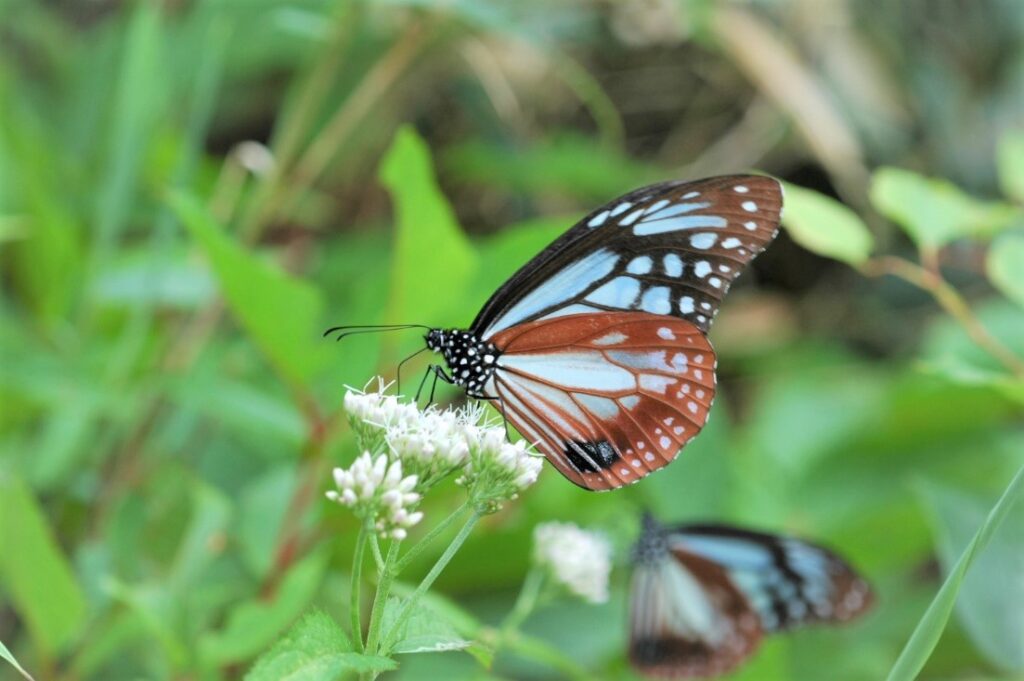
point(703, 595)
point(596, 350)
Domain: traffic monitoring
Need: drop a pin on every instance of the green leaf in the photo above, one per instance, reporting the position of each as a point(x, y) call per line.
point(824, 226)
point(6, 654)
point(34, 571)
point(935, 212)
point(433, 261)
point(1005, 266)
point(254, 624)
point(992, 593)
point(280, 312)
point(315, 649)
point(425, 631)
point(1010, 160)
point(929, 629)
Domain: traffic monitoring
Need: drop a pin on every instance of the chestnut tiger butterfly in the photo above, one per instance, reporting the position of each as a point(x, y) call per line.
point(703, 595)
point(596, 349)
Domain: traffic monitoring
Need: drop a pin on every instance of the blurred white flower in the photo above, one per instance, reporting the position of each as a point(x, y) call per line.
point(375, 488)
point(577, 558)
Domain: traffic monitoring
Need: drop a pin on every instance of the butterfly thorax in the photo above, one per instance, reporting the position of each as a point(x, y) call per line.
point(470, 360)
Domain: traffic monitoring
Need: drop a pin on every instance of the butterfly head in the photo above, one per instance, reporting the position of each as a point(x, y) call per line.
point(470, 360)
point(652, 544)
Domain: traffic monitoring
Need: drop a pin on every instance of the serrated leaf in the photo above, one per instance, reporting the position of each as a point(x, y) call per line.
point(433, 261)
point(280, 313)
point(425, 631)
point(253, 625)
point(935, 212)
point(35, 574)
point(6, 654)
point(824, 226)
point(315, 649)
point(929, 629)
point(1010, 160)
point(993, 591)
point(1005, 266)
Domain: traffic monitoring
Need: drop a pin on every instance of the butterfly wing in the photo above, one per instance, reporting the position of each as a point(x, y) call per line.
point(687, 618)
point(667, 249)
point(607, 397)
point(789, 582)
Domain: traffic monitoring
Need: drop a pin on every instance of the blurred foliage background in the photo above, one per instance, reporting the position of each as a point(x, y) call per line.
point(192, 190)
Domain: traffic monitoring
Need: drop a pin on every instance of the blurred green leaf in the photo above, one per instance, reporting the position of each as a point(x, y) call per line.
point(167, 277)
point(281, 313)
point(1010, 159)
point(252, 625)
point(6, 654)
point(433, 261)
point(929, 629)
point(992, 592)
point(935, 212)
point(824, 226)
point(1005, 266)
point(315, 649)
point(425, 631)
point(35, 573)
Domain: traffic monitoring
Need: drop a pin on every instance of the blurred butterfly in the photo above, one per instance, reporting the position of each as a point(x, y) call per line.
point(596, 349)
point(702, 596)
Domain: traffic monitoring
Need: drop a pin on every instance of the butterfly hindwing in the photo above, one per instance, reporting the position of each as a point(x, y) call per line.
point(668, 249)
point(607, 397)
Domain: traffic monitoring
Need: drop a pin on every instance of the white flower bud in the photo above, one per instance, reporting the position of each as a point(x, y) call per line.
point(577, 558)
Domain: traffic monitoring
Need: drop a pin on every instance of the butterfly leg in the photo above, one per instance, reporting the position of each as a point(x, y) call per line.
point(438, 373)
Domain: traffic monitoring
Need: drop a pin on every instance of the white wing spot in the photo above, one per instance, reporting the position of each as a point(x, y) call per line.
point(749, 206)
point(731, 242)
point(598, 219)
point(649, 457)
point(692, 406)
point(699, 359)
point(640, 265)
point(704, 240)
point(698, 374)
point(691, 195)
point(741, 189)
point(665, 441)
point(700, 394)
point(673, 265)
point(724, 268)
point(613, 338)
point(686, 304)
point(750, 225)
point(655, 384)
point(702, 269)
point(701, 318)
point(621, 208)
point(715, 281)
point(620, 292)
point(678, 430)
point(666, 333)
point(657, 206)
point(705, 305)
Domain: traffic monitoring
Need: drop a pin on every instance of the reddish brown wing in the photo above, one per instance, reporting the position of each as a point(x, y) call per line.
point(688, 619)
point(607, 397)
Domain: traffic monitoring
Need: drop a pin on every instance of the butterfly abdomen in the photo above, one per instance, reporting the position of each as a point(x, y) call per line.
point(470, 361)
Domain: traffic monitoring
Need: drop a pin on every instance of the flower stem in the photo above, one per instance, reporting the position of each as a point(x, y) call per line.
point(377, 557)
point(529, 594)
point(357, 570)
point(416, 550)
point(428, 581)
point(380, 599)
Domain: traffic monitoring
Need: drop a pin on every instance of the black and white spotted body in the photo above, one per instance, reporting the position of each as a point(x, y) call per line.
point(470, 361)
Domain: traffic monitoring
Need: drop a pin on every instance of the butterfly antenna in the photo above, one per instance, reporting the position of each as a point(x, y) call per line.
point(399, 370)
point(355, 329)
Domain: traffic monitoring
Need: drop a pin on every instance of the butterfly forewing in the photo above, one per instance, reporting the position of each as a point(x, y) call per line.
point(607, 397)
point(790, 582)
point(668, 249)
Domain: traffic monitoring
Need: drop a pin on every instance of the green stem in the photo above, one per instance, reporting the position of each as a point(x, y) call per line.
point(525, 603)
point(387, 577)
point(416, 550)
point(428, 581)
point(377, 558)
point(357, 570)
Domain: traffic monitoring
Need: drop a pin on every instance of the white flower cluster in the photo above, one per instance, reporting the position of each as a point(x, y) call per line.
point(376, 487)
point(497, 469)
point(577, 558)
point(427, 445)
